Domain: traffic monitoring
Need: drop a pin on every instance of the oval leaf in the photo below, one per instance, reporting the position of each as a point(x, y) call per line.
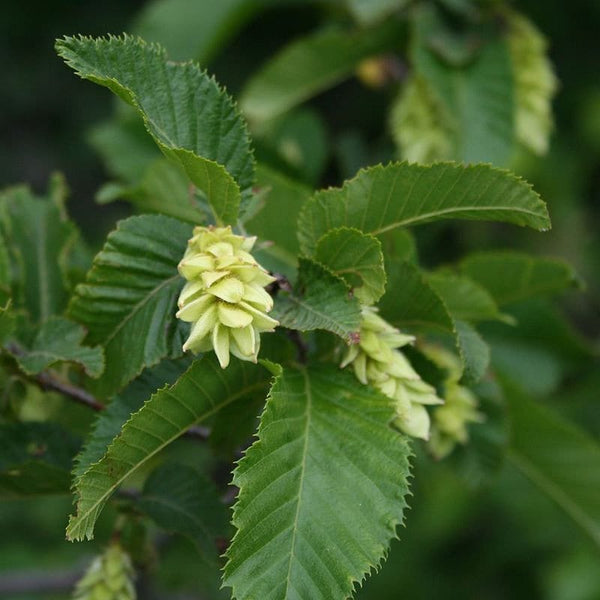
point(193, 121)
point(302, 533)
point(357, 258)
point(128, 301)
point(381, 198)
point(199, 393)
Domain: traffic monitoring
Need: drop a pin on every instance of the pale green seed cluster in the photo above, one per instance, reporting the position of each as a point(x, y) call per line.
point(535, 83)
point(419, 124)
point(376, 360)
point(109, 577)
point(224, 297)
point(450, 421)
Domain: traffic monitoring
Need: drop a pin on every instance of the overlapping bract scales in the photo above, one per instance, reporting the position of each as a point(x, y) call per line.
point(450, 421)
point(109, 577)
point(535, 83)
point(224, 297)
point(376, 360)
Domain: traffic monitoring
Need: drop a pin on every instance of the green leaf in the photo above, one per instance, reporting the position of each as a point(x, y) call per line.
point(369, 11)
point(193, 121)
point(465, 299)
point(125, 147)
point(477, 97)
point(302, 533)
point(559, 458)
point(60, 340)
point(481, 459)
point(512, 276)
point(197, 395)
point(411, 302)
point(163, 188)
point(36, 234)
point(310, 65)
point(181, 500)
point(357, 258)
point(276, 220)
point(381, 198)
point(320, 300)
point(35, 458)
point(110, 421)
point(474, 353)
point(193, 29)
point(7, 322)
point(128, 301)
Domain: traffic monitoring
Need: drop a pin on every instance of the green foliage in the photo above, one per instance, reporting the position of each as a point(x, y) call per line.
point(357, 258)
point(35, 458)
point(37, 237)
point(128, 299)
point(181, 500)
point(219, 164)
point(288, 512)
point(60, 340)
point(311, 65)
point(477, 95)
point(320, 300)
point(382, 198)
point(446, 335)
point(198, 394)
point(570, 476)
point(513, 276)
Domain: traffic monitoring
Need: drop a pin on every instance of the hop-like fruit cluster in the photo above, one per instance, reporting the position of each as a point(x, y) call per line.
point(377, 360)
point(450, 421)
point(535, 83)
point(224, 296)
point(419, 124)
point(109, 577)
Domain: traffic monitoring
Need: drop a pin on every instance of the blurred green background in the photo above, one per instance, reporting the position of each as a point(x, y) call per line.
point(500, 539)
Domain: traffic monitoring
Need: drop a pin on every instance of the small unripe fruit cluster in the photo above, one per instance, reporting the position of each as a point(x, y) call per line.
point(376, 360)
point(450, 421)
point(224, 297)
point(109, 577)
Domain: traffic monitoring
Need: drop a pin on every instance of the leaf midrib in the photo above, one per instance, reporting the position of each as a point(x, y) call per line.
point(424, 216)
point(205, 415)
point(302, 478)
point(137, 307)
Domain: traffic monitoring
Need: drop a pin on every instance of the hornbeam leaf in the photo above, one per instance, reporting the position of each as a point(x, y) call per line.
point(381, 198)
point(412, 302)
point(180, 499)
point(193, 121)
point(60, 340)
point(311, 65)
point(35, 458)
point(193, 29)
point(321, 491)
point(128, 301)
point(198, 394)
point(513, 276)
point(465, 298)
point(37, 235)
point(474, 353)
point(320, 300)
point(357, 258)
point(557, 457)
point(110, 421)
